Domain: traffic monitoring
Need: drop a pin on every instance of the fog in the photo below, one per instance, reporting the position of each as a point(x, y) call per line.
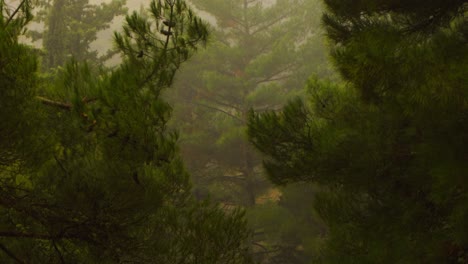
point(233, 131)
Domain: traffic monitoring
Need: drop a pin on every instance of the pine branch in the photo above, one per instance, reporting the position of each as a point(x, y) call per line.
point(272, 23)
point(208, 97)
point(272, 77)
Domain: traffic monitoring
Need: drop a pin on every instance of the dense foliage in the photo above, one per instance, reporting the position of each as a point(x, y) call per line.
point(388, 144)
point(89, 172)
point(369, 166)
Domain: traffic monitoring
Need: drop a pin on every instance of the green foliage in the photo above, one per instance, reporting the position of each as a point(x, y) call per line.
point(388, 146)
point(89, 172)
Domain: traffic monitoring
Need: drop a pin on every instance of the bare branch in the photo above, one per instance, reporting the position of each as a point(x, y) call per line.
point(169, 30)
point(46, 101)
point(62, 260)
point(15, 12)
point(220, 110)
point(10, 254)
point(225, 178)
point(15, 234)
point(62, 105)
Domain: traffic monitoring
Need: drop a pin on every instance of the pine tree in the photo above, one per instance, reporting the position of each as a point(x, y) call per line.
point(260, 51)
point(71, 26)
point(89, 172)
point(17, 84)
point(388, 144)
point(257, 54)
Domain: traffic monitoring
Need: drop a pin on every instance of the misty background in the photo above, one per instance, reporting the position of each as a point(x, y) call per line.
point(269, 131)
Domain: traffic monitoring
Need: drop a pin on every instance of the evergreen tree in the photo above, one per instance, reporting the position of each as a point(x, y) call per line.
point(70, 26)
point(89, 173)
point(388, 145)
